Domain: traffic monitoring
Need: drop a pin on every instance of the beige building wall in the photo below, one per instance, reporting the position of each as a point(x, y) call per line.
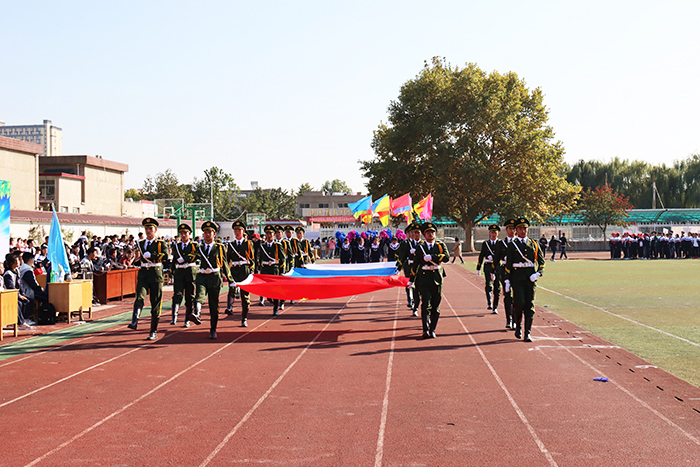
point(104, 191)
point(21, 170)
point(69, 195)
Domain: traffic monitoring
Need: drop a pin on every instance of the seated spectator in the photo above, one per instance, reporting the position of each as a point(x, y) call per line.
point(112, 261)
point(74, 258)
point(27, 282)
point(11, 281)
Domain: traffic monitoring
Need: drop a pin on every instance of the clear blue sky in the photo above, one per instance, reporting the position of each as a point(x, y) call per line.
point(290, 92)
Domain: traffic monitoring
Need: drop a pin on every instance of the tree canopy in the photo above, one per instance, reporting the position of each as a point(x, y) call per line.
point(304, 188)
point(165, 185)
point(275, 203)
point(603, 207)
point(478, 142)
point(224, 189)
point(336, 186)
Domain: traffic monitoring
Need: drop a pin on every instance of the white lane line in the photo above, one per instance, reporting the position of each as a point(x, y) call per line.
point(385, 405)
point(164, 383)
point(516, 407)
point(637, 399)
point(624, 317)
point(262, 399)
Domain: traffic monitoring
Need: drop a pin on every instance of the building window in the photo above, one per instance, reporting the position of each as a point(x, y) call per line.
point(47, 189)
point(76, 210)
point(323, 205)
point(342, 205)
point(304, 206)
point(64, 208)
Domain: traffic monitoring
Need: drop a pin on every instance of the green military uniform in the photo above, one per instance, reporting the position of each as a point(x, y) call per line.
point(241, 256)
point(287, 250)
point(487, 258)
point(429, 276)
point(500, 262)
point(184, 272)
point(289, 241)
point(301, 249)
point(524, 265)
point(213, 266)
point(270, 259)
point(150, 278)
point(407, 262)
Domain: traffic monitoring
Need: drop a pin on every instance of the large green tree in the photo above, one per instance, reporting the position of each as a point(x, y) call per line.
point(304, 188)
point(478, 142)
point(275, 203)
point(222, 186)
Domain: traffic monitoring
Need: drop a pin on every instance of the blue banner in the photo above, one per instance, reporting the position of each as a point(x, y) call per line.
point(57, 252)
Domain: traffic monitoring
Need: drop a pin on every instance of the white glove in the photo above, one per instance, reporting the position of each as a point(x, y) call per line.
point(489, 258)
point(409, 285)
point(413, 251)
point(535, 276)
point(478, 272)
point(493, 277)
point(147, 254)
point(180, 260)
point(507, 282)
point(427, 258)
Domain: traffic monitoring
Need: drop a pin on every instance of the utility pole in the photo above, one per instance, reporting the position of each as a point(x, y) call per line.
point(653, 192)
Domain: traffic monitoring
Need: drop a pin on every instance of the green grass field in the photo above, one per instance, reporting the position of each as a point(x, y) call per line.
point(650, 308)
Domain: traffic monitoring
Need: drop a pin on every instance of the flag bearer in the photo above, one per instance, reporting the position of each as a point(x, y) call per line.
point(184, 271)
point(270, 259)
point(430, 254)
point(213, 266)
point(487, 258)
point(242, 257)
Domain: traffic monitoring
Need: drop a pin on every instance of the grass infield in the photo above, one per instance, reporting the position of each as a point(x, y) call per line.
point(649, 308)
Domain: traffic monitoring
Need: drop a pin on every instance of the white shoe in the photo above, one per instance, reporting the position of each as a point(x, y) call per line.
point(495, 311)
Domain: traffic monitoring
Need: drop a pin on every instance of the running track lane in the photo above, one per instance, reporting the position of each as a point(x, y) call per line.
point(292, 393)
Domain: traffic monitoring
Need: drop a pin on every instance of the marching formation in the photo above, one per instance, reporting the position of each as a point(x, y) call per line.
point(654, 245)
point(512, 264)
point(200, 268)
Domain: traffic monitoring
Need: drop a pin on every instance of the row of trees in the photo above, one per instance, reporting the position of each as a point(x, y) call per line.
point(678, 185)
point(276, 203)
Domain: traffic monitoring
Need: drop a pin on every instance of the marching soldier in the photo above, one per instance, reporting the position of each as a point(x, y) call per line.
point(405, 262)
point(184, 271)
point(301, 248)
point(287, 250)
point(524, 265)
point(241, 254)
point(430, 254)
point(270, 259)
point(499, 261)
point(150, 276)
point(486, 257)
point(213, 266)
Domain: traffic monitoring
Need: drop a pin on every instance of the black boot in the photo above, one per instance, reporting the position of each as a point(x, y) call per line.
point(434, 317)
point(153, 335)
point(488, 300)
point(409, 297)
point(275, 307)
point(197, 314)
point(135, 318)
point(425, 319)
point(176, 308)
point(528, 326)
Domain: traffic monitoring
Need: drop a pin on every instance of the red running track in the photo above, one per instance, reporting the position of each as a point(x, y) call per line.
point(348, 382)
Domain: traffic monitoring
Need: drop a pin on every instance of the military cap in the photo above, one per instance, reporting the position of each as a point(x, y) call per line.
point(300, 229)
point(509, 223)
point(494, 228)
point(269, 228)
point(279, 228)
point(288, 228)
point(209, 225)
point(239, 224)
point(184, 228)
point(522, 222)
point(428, 226)
point(412, 226)
point(149, 222)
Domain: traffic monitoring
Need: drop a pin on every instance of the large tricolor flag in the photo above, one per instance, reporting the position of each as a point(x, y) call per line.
point(325, 281)
point(424, 208)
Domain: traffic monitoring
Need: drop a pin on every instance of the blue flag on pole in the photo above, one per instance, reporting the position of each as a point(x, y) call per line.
point(57, 253)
